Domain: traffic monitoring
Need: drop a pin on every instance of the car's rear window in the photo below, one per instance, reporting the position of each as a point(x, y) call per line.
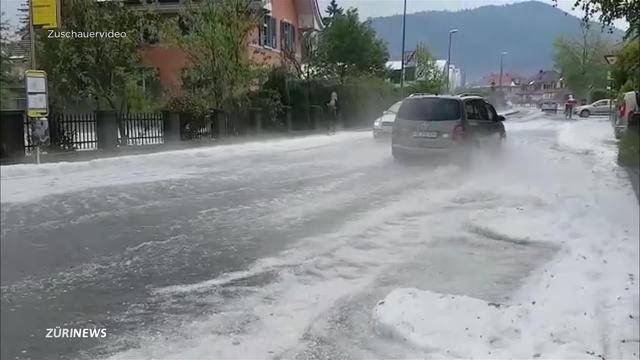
point(429, 109)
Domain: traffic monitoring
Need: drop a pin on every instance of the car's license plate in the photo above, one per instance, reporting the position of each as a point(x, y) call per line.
point(426, 134)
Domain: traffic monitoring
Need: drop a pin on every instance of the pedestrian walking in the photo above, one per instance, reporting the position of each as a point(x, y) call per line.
point(568, 107)
point(333, 107)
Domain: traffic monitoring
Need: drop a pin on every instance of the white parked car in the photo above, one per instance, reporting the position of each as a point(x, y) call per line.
point(383, 125)
point(600, 107)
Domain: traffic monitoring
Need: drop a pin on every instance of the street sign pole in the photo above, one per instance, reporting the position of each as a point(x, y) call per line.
point(42, 14)
point(32, 36)
point(37, 108)
point(611, 60)
point(32, 40)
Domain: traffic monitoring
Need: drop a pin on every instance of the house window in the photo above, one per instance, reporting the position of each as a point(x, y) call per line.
point(268, 32)
point(287, 36)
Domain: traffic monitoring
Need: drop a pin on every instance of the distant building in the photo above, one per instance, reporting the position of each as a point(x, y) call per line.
point(510, 83)
point(545, 85)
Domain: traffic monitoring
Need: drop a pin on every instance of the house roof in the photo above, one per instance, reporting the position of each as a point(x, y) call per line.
point(508, 79)
point(394, 65)
point(545, 76)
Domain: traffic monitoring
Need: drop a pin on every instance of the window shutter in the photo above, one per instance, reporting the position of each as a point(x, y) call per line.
point(293, 38)
point(283, 35)
point(274, 42)
point(263, 39)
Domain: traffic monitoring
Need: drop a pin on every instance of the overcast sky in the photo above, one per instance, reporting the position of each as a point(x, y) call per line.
point(373, 8)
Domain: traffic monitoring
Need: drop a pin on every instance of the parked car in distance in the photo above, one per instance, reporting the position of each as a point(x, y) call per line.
point(600, 107)
point(549, 106)
point(628, 113)
point(383, 125)
point(432, 125)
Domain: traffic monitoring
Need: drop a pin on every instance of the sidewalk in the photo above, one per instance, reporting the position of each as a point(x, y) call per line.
point(634, 175)
point(73, 156)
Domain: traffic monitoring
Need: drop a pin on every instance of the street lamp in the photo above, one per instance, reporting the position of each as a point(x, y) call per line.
point(404, 18)
point(451, 32)
point(502, 54)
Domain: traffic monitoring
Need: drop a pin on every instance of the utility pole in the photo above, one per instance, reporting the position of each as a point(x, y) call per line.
point(502, 54)
point(32, 40)
point(32, 36)
point(448, 65)
point(404, 19)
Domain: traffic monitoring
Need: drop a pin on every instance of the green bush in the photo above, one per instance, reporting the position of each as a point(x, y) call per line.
point(364, 99)
point(361, 100)
point(598, 94)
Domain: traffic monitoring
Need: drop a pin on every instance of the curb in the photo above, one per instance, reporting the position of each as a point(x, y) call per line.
point(77, 156)
point(508, 112)
point(634, 176)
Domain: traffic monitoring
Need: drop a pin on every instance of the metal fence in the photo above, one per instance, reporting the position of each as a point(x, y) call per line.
point(193, 127)
point(140, 129)
point(67, 132)
point(73, 131)
point(109, 129)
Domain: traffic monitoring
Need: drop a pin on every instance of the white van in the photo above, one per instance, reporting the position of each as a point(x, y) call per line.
point(628, 111)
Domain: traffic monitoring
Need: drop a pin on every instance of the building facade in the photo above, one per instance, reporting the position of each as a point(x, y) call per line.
point(276, 39)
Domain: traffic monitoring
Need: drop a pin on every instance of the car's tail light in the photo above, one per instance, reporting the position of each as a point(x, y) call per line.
point(623, 110)
point(458, 133)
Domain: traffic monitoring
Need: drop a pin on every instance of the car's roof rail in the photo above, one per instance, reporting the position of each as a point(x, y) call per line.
point(421, 94)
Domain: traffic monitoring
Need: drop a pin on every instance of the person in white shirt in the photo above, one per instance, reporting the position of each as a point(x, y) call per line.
point(333, 107)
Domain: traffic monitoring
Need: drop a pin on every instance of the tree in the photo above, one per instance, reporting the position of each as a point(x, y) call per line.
point(350, 48)
point(429, 77)
point(581, 62)
point(333, 11)
point(5, 65)
point(93, 68)
point(626, 70)
point(608, 11)
point(23, 18)
point(215, 44)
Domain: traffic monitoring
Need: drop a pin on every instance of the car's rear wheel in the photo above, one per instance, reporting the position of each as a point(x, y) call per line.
point(585, 113)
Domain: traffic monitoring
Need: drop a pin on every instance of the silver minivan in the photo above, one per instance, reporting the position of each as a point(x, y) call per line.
point(431, 125)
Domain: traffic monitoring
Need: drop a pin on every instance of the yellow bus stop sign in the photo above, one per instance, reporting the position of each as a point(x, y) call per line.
point(46, 13)
point(37, 95)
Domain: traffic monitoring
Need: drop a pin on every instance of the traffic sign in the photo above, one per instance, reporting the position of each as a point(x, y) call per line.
point(46, 13)
point(37, 96)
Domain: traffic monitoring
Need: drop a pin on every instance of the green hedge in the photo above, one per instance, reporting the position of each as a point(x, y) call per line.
point(361, 100)
point(629, 148)
point(598, 94)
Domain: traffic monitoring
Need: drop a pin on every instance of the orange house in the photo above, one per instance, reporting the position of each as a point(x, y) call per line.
point(277, 34)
